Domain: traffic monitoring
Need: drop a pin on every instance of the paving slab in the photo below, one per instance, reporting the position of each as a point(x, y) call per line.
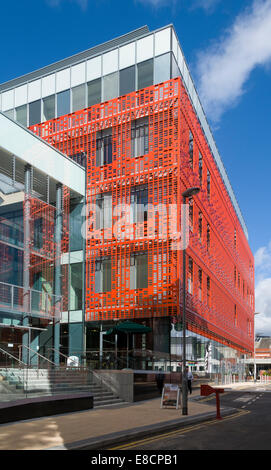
point(76, 430)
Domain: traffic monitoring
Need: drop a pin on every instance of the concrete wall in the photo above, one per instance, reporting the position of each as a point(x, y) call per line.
point(121, 382)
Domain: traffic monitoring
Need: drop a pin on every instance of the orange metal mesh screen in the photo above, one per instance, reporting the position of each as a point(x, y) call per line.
point(165, 169)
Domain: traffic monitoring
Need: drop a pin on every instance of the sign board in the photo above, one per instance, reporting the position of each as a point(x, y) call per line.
point(170, 395)
point(73, 361)
point(206, 390)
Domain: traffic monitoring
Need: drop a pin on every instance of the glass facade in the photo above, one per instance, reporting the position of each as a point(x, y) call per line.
point(127, 80)
point(110, 86)
point(63, 103)
point(76, 286)
point(21, 114)
point(78, 97)
point(34, 112)
point(145, 74)
point(205, 356)
point(49, 110)
point(94, 92)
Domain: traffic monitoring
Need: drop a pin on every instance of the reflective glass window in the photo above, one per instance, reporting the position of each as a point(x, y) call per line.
point(104, 147)
point(34, 112)
point(76, 283)
point(9, 113)
point(21, 114)
point(127, 80)
point(110, 86)
point(175, 68)
point(103, 275)
point(94, 92)
point(139, 137)
point(76, 240)
point(162, 68)
point(103, 210)
point(78, 97)
point(63, 103)
point(145, 74)
point(48, 108)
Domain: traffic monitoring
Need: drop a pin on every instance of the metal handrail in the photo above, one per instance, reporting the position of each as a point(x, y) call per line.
point(35, 352)
point(60, 353)
point(13, 357)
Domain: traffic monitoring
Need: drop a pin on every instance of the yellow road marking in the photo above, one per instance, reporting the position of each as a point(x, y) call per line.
point(179, 431)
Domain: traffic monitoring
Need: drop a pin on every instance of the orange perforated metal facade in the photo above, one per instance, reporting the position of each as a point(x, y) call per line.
point(220, 273)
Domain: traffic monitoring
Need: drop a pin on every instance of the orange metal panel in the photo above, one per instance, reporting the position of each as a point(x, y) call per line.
point(218, 308)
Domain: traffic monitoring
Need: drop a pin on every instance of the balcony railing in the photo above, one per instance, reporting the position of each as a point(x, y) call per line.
point(32, 302)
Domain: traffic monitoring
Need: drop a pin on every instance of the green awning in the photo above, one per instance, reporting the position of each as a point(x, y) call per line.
point(129, 327)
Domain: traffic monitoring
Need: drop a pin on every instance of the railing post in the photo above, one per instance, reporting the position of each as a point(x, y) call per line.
point(12, 297)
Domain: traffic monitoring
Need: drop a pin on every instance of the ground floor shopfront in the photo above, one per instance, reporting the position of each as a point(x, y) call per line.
point(159, 349)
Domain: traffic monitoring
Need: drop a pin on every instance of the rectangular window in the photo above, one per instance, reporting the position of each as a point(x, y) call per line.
point(9, 113)
point(63, 103)
point(103, 275)
point(78, 97)
point(104, 147)
point(139, 271)
point(162, 68)
point(94, 92)
point(34, 112)
point(141, 264)
point(110, 86)
point(191, 150)
point(139, 137)
point(127, 80)
point(103, 210)
point(139, 202)
point(175, 68)
point(49, 108)
point(75, 290)
point(21, 115)
point(144, 74)
point(75, 227)
point(235, 315)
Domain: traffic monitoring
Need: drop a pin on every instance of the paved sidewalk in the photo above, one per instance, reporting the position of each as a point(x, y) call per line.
point(101, 426)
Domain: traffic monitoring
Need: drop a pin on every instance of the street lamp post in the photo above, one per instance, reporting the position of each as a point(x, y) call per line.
point(186, 194)
point(254, 351)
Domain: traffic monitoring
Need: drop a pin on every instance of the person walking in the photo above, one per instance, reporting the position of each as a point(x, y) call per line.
point(190, 377)
point(160, 378)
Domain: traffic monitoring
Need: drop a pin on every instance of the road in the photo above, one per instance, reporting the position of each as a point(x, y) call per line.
point(248, 429)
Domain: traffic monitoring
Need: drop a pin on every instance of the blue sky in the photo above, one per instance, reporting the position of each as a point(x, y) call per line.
point(226, 43)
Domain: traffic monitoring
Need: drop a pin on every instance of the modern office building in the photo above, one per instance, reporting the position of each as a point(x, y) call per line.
point(92, 211)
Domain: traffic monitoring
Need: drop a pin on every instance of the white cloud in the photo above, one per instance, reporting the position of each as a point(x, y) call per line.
point(207, 5)
point(83, 4)
point(263, 306)
point(158, 3)
point(224, 69)
point(263, 290)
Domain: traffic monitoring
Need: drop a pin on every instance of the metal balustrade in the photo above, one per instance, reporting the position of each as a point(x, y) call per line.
point(18, 299)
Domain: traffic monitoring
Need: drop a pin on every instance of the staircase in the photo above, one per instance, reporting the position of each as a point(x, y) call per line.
point(16, 383)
